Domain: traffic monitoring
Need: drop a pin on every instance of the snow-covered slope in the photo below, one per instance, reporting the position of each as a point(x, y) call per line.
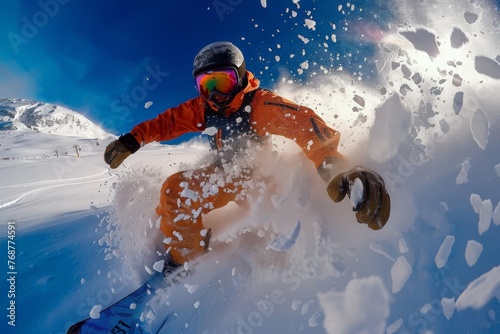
point(46, 118)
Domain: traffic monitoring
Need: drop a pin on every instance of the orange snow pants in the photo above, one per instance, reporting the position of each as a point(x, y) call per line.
point(185, 198)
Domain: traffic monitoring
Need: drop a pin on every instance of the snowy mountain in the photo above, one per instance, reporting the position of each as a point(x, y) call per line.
point(16, 114)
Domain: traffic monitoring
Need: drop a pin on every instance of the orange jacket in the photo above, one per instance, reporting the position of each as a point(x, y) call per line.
point(270, 115)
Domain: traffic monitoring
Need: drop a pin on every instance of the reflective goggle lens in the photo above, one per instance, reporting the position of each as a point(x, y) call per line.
point(222, 81)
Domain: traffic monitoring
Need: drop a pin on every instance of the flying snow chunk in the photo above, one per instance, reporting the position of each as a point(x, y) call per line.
point(211, 131)
point(480, 291)
point(363, 307)
point(444, 251)
point(390, 129)
point(497, 169)
point(158, 266)
point(395, 326)
point(283, 243)
point(476, 202)
point(473, 252)
point(403, 248)
point(458, 99)
point(400, 273)
point(485, 216)
point(448, 305)
point(359, 100)
point(458, 38)
point(95, 312)
point(464, 172)
point(496, 214)
point(147, 269)
point(303, 39)
point(422, 40)
point(487, 66)
point(148, 104)
point(426, 308)
point(191, 288)
point(310, 24)
point(470, 17)
point(480, 128)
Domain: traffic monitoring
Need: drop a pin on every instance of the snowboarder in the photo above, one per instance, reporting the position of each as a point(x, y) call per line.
point(239, 114)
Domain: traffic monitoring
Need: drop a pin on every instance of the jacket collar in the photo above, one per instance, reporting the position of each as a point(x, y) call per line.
point(236, 102)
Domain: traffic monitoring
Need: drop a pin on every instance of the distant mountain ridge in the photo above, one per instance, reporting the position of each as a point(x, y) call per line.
point(17, 114)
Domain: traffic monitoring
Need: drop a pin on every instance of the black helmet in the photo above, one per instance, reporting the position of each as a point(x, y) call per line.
point(217, 55)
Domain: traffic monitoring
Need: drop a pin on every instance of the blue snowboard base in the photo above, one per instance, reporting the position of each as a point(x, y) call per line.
point(123, 317)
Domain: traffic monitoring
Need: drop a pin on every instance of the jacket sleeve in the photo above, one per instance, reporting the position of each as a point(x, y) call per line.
point(274, 115)
point(173, 122)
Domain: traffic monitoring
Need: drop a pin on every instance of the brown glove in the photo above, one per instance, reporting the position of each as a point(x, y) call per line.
point(115, 153)
point(120, 149)
point(374, 206)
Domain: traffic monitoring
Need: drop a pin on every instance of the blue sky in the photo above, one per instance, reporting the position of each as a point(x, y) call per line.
point(105, 59)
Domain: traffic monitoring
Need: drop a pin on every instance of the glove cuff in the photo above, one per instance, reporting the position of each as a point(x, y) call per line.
point(129, 141)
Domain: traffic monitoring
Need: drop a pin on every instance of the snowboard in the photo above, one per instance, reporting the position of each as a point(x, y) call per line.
point(130, 314)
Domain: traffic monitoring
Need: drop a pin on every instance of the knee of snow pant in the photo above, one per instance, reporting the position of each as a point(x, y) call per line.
point(184, 199)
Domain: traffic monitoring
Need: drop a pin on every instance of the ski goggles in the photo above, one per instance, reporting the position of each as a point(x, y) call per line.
point(221, 81)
